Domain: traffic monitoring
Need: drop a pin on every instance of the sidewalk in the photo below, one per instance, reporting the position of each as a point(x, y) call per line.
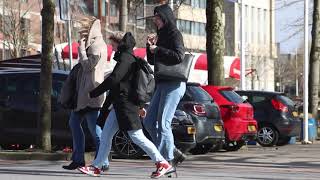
point(38, 155)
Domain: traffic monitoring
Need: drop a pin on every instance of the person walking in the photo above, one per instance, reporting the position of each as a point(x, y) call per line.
point(92, 56)
point(125, 114)
point(166, 48)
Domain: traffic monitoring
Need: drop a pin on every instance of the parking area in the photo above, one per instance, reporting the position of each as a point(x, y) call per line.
point(253, 162)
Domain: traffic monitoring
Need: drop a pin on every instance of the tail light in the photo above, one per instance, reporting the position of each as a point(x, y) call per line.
point(197, 109)
point(279, 105)
point(232, 108)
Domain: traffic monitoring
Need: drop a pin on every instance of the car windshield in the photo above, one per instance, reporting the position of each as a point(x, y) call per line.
point(286, 100)
point(198, 94)
point(232, 96)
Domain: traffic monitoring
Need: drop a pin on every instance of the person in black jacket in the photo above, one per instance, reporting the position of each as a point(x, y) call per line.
point(125, 115)
point(168, 49)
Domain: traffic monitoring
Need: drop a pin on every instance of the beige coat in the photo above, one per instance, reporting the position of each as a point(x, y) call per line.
point(94, 62)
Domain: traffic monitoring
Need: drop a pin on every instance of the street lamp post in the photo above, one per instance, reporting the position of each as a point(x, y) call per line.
point(242, 43)
point(306, 72)
point(3, 31)
point(69, 35)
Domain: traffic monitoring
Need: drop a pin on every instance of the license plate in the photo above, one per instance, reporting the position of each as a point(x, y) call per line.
point(252, 128)
point(295, 114)
point(218, 128)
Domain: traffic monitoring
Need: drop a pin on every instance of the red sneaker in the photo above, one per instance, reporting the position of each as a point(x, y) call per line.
point(162, 168)
point(90, 170)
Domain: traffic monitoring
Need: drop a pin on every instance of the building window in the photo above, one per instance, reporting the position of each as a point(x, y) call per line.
point(203, 4)
point(136, 11)
point(113, 10)
point(191, 27)
point(187, 2)
point(253, 22)
point(247, 27)
point(265, 28)
point(259, 25)
point(196, 3)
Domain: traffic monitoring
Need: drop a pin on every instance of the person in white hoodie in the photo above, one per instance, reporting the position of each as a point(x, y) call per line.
point(93, 60)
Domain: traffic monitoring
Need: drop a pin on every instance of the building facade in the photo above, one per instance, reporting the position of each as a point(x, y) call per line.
point(260, 45)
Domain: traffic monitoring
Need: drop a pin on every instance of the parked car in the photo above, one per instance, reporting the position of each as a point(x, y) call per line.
point(183, 131)
point(19, 109)
point(196, 105)
point(237, 115)
point(206, 115)
point(277, 116)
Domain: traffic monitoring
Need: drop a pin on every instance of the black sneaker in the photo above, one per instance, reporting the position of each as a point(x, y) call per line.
point(179, 157)
point(73, 166)
point(105, 168)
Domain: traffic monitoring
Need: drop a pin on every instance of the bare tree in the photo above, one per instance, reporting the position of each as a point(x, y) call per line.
point(47, 14)
point(215, 42)
point(15, 27)
point(315, 60)
point(123, 15)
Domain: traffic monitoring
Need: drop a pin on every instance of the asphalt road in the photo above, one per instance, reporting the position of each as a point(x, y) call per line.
point(282, 163)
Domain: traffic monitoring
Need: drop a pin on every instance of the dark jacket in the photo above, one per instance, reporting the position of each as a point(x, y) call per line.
point(120, 85)
point(170, 48)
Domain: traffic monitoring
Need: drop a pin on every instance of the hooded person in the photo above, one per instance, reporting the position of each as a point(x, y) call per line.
point(125, 114)
point(93, 56)
point(166, 48)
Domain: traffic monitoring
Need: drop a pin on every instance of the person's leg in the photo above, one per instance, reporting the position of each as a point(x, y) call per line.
point(145, 144)
point(77, 137)
point(150, 121)
point(95, 130)
point(110, 128)
point(171, 96)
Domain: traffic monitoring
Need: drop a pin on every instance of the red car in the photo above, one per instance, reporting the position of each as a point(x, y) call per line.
point(237, 115)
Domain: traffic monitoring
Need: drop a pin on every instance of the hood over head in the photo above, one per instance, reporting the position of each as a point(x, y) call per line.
point(127, 42)
point(94, 32)
point(166, 14)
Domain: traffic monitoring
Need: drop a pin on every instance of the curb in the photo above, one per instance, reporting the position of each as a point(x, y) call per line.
point(55, 156)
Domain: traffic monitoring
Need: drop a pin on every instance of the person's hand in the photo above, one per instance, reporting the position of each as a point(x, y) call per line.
point(82, 44)
point(152, 48)
point(82, 49)
point(152, 39)
point(142, 112)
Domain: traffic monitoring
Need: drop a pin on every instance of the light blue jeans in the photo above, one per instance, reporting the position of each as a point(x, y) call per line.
point(109, 130)
point(160, 113)
point(78, 137)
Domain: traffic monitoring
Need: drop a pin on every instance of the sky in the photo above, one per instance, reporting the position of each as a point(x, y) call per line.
point(289, 19)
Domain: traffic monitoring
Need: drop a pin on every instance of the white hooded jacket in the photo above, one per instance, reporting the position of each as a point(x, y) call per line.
point(94, 62)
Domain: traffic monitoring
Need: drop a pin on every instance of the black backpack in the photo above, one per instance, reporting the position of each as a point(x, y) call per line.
point(143, 81)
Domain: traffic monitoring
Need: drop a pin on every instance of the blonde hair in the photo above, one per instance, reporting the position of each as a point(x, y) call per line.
point(87, 22)
point(116, 36)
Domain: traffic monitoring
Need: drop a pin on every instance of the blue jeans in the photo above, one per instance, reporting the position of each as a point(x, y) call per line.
point(160, 113)
point(78, 137)
point(110, 128)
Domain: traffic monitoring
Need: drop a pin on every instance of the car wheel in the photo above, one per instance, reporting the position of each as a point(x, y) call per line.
point(201, 149)
point(283, 141)
point(233, 146)
point(267, 136)
point(124, 147)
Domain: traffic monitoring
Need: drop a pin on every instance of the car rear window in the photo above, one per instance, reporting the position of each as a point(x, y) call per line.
point(231, 96)
point(197, 94)
point(286, 100)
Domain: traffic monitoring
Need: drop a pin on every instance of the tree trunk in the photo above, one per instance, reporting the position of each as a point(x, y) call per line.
point(47, 14)
point(123, 15)
point(314, 61)
point(215, 42)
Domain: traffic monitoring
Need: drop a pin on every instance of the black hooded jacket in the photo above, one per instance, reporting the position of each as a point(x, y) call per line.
point(120, 85)
point(170, 48)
